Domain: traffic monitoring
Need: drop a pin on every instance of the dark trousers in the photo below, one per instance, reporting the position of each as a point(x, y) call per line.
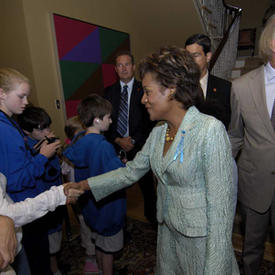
point(255, 231)
point(21, 264)
point(146, 184)
point(36, 244)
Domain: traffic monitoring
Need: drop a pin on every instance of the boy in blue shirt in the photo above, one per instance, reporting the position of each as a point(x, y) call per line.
point(95, 155)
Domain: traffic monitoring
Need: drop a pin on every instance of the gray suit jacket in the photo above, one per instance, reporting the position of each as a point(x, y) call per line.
point(252, 135)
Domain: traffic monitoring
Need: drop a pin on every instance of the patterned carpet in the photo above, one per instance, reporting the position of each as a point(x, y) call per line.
point(137, 257)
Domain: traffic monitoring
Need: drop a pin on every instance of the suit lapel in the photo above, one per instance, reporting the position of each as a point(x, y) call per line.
point(134, 95)
point(209, 89)
point(116, 98)
point(134, 104)
point(178, 146)
point(257, 88)
point(133, 98)
point(158, 148)
point(212, 90)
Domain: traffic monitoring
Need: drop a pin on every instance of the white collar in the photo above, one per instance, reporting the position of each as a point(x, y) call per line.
point(129, 84)
point(269, 73)
point(203, 82)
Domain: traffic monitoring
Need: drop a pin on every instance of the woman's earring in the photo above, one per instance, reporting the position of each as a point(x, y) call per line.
point(172, 93)
point(171, 96)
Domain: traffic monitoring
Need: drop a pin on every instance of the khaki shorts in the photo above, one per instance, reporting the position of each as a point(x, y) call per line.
point(55, 240)
point(109, 244)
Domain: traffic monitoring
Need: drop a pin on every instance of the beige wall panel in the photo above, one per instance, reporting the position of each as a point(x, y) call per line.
point(14, 46)
point(253, 11)
point(150, 24)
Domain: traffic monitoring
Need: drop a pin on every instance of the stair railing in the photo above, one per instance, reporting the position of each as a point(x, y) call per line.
point(221, 23)
point(231, 34)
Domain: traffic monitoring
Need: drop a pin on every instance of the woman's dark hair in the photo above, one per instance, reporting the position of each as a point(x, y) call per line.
point(91, 107)
point(174, 67)
point(34, 118)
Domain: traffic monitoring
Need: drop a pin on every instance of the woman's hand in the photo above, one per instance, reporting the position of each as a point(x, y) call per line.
point(81, 186)
point(8, 241)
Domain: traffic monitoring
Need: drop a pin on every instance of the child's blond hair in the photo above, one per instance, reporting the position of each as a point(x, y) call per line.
point(73, 126)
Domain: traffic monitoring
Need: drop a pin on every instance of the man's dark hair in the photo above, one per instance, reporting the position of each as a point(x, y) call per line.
point(91, 107)
point(34, 118)
point(200, 39)
point(125, 53)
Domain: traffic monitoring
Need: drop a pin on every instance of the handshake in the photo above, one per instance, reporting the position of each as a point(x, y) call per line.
point(73, 190)
point(27, 211)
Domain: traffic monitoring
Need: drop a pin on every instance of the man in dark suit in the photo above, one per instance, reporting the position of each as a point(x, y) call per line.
point(216, 91)
point(131, 124)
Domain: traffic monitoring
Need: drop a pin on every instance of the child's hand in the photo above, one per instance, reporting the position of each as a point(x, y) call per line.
point(51, 134)
point(72, 194)
point(48, 150)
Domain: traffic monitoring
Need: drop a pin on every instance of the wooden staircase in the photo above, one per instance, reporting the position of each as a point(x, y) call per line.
point(245, 64)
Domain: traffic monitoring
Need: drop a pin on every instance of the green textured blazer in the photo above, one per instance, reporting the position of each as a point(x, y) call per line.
point(196, 195)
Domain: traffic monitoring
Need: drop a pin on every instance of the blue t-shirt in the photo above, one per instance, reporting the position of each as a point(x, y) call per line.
point(93, 155)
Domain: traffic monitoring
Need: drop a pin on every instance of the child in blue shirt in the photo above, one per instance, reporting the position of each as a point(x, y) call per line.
point(35, 123)
point(97, 156)
point(17, 162)
point(74, 130)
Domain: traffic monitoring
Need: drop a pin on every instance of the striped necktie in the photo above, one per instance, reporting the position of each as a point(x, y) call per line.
point(122, 122)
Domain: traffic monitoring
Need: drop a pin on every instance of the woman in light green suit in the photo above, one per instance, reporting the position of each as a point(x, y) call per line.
point(190, 155)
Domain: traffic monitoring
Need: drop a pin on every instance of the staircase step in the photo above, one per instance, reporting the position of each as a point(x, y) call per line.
point(239, 63)
point(253, 62)
point(244, 65)
point(235, 73)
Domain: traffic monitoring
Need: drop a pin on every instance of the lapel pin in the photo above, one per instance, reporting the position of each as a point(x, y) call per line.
point(214, 90)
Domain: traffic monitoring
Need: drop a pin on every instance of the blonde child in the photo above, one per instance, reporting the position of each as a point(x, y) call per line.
point(74, 130)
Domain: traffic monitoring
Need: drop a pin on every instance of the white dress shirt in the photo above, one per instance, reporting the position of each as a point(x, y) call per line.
point(269, 76)
point(203, 82)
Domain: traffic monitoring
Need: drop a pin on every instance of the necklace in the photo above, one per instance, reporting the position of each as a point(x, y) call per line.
point(168, 138)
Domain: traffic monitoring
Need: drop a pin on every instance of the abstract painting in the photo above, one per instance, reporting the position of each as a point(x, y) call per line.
point(86, 54)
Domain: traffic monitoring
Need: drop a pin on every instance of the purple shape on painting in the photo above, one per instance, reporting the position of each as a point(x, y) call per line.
point(88, 50)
